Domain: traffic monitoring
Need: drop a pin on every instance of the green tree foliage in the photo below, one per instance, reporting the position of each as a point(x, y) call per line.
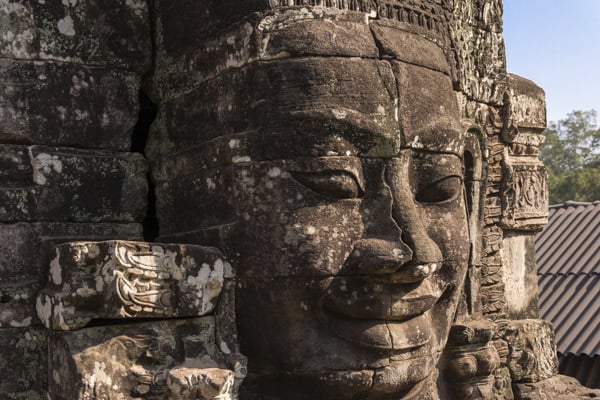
point(572, 155)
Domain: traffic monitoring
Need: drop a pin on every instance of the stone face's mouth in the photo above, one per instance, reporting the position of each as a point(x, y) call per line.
point(380, 334)
point(385, 316)
point(362, 298)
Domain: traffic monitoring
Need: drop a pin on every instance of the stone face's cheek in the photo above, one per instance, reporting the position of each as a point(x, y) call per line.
point(290, 229)
point(447, 226)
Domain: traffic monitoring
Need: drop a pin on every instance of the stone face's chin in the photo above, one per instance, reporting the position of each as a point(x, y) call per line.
point(400, 379)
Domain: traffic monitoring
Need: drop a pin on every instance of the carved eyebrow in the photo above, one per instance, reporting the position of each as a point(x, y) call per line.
point(330, 183)
point(345, 164)
point(452, 162)
point(358, 131)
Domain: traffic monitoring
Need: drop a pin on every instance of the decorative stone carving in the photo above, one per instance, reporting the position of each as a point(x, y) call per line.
point(25, 253)
point(524, 191)
point(531, 349)
point(471, 360)
point(525, 197)
point(118, 279)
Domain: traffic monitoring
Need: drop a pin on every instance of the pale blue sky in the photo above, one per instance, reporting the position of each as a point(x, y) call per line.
point(556, 44)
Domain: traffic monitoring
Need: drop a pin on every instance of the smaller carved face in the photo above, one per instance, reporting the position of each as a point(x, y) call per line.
point(353, 243)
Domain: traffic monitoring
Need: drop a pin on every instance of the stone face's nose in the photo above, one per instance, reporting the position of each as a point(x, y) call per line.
point(377, 256)
point(380, 250)
point(426, 255)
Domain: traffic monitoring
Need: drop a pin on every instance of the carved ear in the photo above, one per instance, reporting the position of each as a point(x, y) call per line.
point(475, 181)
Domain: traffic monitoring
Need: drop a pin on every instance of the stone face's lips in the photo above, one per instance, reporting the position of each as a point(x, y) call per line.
point(384, 315)
point(382, 301)
point(380, 334)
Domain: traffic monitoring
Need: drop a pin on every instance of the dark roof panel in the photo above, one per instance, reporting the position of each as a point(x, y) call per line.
point(585, 369)
point(571, 241)
point(571, 303)
point(568, 260)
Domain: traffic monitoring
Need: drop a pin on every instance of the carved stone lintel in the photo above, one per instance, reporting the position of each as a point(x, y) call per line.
point(119, 279)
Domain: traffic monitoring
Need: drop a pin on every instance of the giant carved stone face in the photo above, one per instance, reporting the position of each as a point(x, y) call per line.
point(352, 238)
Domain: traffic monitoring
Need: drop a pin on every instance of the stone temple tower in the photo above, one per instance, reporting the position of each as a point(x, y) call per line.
point(338, 200)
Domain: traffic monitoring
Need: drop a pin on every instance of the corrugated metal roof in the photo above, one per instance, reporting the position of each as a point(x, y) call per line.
point(568, 260)
point(570, 244)
point(570, 302)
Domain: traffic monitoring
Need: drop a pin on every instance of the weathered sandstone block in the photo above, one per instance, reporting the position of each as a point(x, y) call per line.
point(118, 279)
point(113, 33)
point(69, 185)
point(168, 359)
point(531, 349)
point(65, 104)
point(24, 363)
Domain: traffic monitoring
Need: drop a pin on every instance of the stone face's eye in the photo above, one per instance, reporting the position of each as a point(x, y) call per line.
point(444, 189)
point(332, 184)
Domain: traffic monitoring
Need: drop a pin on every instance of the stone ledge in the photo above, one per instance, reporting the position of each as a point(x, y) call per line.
point(167, 359)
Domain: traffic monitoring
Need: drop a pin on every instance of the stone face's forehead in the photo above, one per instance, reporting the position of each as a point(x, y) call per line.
point(329, 106)
point(317, 80)
point(317, 106)
point(365, 108)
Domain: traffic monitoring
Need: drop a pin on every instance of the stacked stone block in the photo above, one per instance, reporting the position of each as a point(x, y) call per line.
point(71, 74)
point(138, 320)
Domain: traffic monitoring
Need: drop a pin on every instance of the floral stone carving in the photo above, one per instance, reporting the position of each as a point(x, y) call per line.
point(120, 279)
